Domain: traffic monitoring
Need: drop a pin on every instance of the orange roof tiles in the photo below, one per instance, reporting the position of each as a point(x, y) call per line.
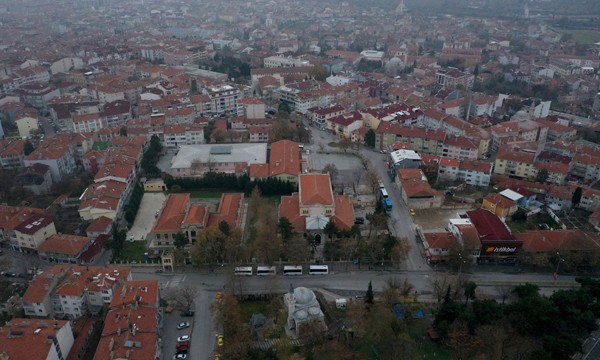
point(290, 209)
point(229, 210)
point(259, 171)
point(285, 158)
point(315, 189)
point(500, 201)
point(344, 212)
point(405, 174)
point(144, 292)
point(418, 188)
point(439, 240)
point(33, 342)
point(197, 215)
point(65, 244)
point(553, 240)
point(100, 224)
point(172, 214)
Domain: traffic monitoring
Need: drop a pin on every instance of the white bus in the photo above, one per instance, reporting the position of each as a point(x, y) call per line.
point(265, 270)
point(384, 193)
point(318, 270)
point(243, 271)
point(292, 270)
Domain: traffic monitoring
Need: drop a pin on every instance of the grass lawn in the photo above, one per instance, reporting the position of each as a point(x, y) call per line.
point(248, 308)
point(583, 36)
point(133, 251)
point(532, 223)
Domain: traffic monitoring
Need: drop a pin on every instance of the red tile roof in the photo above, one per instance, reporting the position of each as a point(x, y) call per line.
point(439, 240)
point(315, 189)
point(172, 214)
point(65, 244)
point(284, 158)
point(489, 226)
point(406, 174)
point(555, 240)
point(230, 210)
point(144, 292)
point(500, 201)
point(344, 212)
point(259, 171)
point(290, 209)
point(32, 341)
point(417, 188)
point(197, 215)
point(100, 224)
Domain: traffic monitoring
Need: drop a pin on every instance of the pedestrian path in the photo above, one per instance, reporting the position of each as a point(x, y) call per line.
point(175, 281)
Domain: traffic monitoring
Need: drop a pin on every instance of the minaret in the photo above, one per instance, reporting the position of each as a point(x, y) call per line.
point(401, 8)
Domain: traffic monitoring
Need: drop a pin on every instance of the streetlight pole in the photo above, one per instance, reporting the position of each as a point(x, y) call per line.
point(560, 259)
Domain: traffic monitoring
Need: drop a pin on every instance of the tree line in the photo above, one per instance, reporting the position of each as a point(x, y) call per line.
point(230, 182)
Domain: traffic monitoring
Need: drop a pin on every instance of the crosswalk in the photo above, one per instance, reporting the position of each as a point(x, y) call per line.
point(175, 281)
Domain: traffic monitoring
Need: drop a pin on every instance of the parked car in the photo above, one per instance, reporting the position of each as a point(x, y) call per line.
point(9, 274)
point(183, 325)
point(359, 220)
point(181, 356)
point(182, 345)
point(183, 338)
point(158, 270)
point(412, 212)
point(220, 340)
point(187, 313)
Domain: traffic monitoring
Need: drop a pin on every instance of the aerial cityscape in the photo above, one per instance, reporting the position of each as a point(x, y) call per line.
point(305, 180)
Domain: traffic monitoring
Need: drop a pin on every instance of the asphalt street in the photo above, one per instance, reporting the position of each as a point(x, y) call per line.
point(343, 284)
point(401, 222)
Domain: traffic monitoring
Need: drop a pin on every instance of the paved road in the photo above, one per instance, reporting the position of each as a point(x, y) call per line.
point(144, 220)
point(401, 222)
point(343, 284)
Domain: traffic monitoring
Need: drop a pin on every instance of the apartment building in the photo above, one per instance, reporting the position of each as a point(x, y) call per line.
point(57, 154)
point(33, 232)
point(23, 338)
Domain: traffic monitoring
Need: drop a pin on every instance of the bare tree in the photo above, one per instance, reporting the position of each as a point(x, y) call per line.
point(504, 291)
point(400, 251)
point(439, 285)
point(345, 144)
point(332, 170)
point(185, 295)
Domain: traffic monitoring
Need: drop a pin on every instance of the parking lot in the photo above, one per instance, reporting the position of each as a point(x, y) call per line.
point(171, 333)
point(436, 219)
point(144, 220)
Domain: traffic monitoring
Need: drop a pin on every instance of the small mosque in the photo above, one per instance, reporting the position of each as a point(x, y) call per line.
point(302, 308)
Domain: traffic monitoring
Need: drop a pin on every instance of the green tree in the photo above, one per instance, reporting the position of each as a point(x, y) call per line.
point(370, 138)
point(576, 199)
point(542, 176)
point(330, 229)
point(123, 131)
point(519, 216)
point(180, 240)
point(284, 107)
point(370, 296)
point(318, 73)
point(209, 247)
point(224, 227)
point(469, 288)
point(285, 229)
point(28, 148)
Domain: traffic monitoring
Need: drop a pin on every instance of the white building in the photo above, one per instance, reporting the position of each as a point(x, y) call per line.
point(372, 55)
point(284, 61)
point(36, 339)
point(223, 100)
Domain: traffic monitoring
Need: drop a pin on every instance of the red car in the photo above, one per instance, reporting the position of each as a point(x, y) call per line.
point(184, 345)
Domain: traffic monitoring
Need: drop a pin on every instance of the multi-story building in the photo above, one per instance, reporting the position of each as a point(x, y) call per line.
point(223, 100)
point(452, 78)
point(27, 122)
point(319, 116)
point(471, 172)
point(23, 338)
point(314, 205)
point(56, 154)
point(459, 147)
point(32, 232)
point(178, 215)
point(37, 95)
point(421, 140)
point(11, 153)
point(284, 61)
point(73, 290)
point(63, 248)
point(515, 162)
point(284, 162)
point(344, 125)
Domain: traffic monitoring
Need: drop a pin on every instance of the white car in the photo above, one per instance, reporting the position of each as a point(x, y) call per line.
point(183, 325)
point(183, 338)
point(179, 356)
